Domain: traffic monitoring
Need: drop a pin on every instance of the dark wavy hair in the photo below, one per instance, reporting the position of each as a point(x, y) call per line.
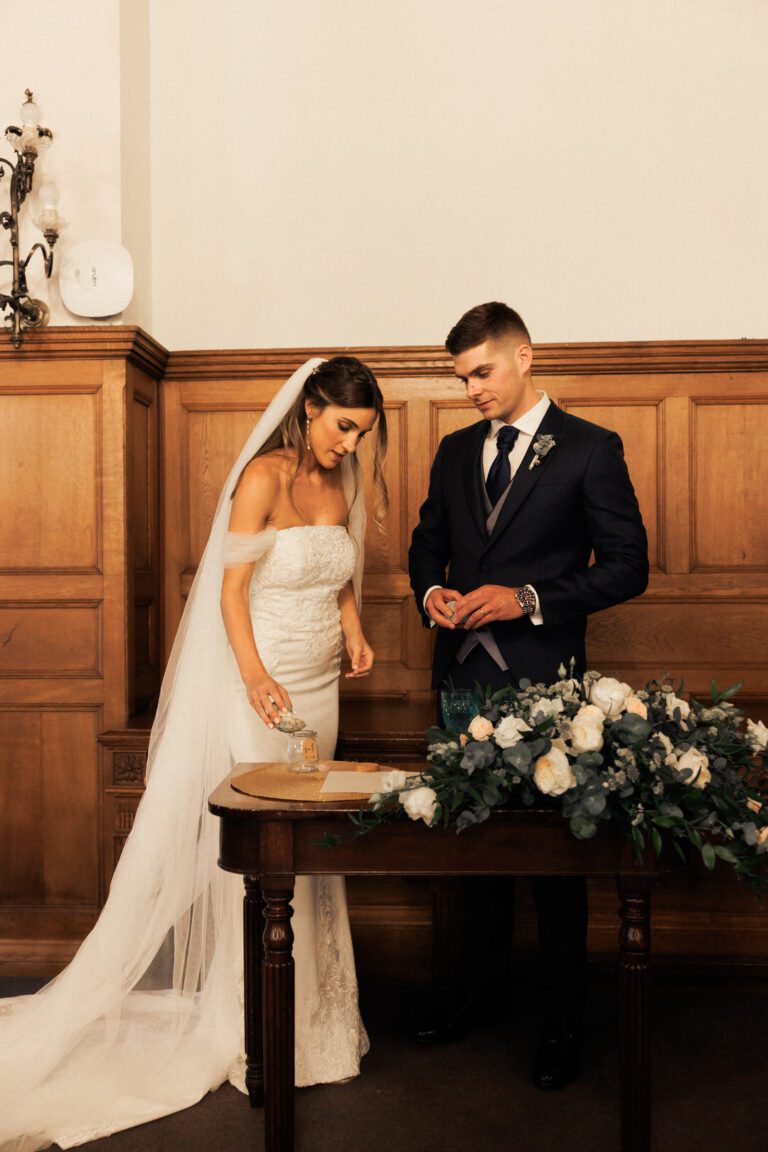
point(345, 382)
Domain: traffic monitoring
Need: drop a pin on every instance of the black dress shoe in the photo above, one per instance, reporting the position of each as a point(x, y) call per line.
point(446, 1023)
point(558, 1060)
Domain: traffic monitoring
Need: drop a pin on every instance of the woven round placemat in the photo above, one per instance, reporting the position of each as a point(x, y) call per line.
point(273, 781)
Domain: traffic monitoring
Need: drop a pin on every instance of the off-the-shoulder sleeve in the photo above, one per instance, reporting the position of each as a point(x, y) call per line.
point(245, 548)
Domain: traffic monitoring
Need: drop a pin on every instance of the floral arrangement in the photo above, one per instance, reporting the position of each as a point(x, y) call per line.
point(659, 766)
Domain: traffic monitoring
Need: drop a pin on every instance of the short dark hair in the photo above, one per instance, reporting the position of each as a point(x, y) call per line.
point(493, 321)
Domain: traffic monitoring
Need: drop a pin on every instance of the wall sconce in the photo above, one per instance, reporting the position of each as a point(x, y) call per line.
point(28, 142)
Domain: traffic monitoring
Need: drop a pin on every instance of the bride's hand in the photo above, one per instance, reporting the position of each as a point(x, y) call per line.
point(361, 656)
point(268, 698)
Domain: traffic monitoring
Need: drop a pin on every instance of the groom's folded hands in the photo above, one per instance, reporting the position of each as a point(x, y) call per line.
point(487, 604)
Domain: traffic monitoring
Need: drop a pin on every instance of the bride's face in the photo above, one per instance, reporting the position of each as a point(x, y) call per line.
point(336, 432)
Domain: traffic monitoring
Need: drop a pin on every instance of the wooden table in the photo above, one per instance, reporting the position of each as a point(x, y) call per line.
point(271, 842)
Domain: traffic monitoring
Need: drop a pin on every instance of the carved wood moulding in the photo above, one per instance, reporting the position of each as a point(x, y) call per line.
point(121, 341)
point(90, 342)
point(642, 357)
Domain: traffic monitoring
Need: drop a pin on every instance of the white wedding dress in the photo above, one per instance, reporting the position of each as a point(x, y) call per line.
point(148, 1017)
point(295, 615)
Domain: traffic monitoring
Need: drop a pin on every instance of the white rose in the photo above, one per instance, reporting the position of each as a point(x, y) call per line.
point(587, 729)
point(636, 706)
point(391, 781)
point(545, 707)
point(510, 730)
point(673, 702)
point(420, 803)
point(610, 695)
point(566, 688)
point(758, 735)
point(480, 728)
point(697, 762)
point(552, 773)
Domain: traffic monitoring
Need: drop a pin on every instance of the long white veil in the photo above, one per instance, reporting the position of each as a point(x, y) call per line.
point(148, 1016)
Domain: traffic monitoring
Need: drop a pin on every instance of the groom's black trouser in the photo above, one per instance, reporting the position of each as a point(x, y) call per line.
point(561, 907)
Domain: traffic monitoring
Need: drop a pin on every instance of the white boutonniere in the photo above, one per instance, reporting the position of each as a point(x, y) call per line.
point(542, 446)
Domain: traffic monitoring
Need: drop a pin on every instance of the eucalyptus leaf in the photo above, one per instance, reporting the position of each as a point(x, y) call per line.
point(582, 827)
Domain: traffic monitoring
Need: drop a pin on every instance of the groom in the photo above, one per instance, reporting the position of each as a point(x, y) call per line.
point(530, 524)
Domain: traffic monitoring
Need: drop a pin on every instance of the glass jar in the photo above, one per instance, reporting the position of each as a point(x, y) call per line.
point(302, 751)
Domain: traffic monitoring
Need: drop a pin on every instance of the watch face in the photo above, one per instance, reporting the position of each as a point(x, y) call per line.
point(526, 598)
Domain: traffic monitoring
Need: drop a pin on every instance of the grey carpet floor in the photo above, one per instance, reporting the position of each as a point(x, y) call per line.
point(710, 1067)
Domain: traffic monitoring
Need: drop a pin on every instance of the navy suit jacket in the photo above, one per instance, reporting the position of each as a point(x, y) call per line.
point(570, 526)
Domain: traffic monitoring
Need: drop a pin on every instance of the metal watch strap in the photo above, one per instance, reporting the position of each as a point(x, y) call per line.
point(526, 598)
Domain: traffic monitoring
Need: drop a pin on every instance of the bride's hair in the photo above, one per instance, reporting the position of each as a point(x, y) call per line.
point(345, 382)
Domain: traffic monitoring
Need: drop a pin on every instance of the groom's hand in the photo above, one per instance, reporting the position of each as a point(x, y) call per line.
point(486, 604)
point(440, 607)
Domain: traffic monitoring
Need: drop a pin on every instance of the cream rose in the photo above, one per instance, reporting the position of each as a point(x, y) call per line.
point(698, 763)
point(420, 803)
point(669, 754)
point(480, 728)
point(393, 780)
point(610, 695)
point(552, 773)
point(587, 729)
point(636, 706)
point(758, 735)
point(672, 702)
point(762, 835)
point(545, 707)
point(510, 730)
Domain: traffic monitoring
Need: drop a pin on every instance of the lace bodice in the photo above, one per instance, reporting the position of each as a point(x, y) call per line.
point(294, 590)
point(299, 579)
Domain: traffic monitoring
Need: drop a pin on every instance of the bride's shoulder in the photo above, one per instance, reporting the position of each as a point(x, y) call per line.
point(269, 470)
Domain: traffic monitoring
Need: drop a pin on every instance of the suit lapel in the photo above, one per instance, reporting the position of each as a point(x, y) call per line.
point(526, 478)
point(472, 470)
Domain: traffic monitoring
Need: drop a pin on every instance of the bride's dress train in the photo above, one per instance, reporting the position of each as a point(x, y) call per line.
point(148, 1016)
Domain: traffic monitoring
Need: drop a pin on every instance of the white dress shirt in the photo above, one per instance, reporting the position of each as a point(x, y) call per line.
point(527, 427)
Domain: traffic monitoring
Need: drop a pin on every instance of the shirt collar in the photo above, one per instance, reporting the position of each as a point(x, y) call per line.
point(528, 422)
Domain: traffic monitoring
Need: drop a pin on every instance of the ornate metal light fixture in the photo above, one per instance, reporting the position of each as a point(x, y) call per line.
point(27, 142)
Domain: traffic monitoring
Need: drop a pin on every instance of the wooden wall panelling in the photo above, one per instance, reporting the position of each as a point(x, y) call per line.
point(700, 616)
point(67, 488)
point(79, 567)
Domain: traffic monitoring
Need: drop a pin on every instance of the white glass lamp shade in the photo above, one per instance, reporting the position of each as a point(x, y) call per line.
point(45, 213)
point(30, 139)
point(30, 113)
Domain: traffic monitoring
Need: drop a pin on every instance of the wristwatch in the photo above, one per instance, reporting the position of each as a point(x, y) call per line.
point(526, 598)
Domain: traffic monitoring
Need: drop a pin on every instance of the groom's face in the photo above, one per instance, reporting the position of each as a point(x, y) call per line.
point(497, 377)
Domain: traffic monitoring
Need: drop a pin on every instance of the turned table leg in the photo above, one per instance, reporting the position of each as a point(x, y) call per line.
point(634, 989)
point(253, 930)
point(278, 999)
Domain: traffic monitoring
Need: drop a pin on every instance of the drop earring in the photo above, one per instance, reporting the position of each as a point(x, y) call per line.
point(309, 424)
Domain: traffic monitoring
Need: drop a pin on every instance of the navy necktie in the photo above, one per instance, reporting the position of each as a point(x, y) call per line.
point(499, 475)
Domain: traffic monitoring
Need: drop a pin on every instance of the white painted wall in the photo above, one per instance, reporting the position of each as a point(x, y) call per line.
point(330, 172)
point(382, 165)
point(67, 52)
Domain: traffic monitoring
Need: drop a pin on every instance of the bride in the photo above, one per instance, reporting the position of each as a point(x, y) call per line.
point(148, 1017)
